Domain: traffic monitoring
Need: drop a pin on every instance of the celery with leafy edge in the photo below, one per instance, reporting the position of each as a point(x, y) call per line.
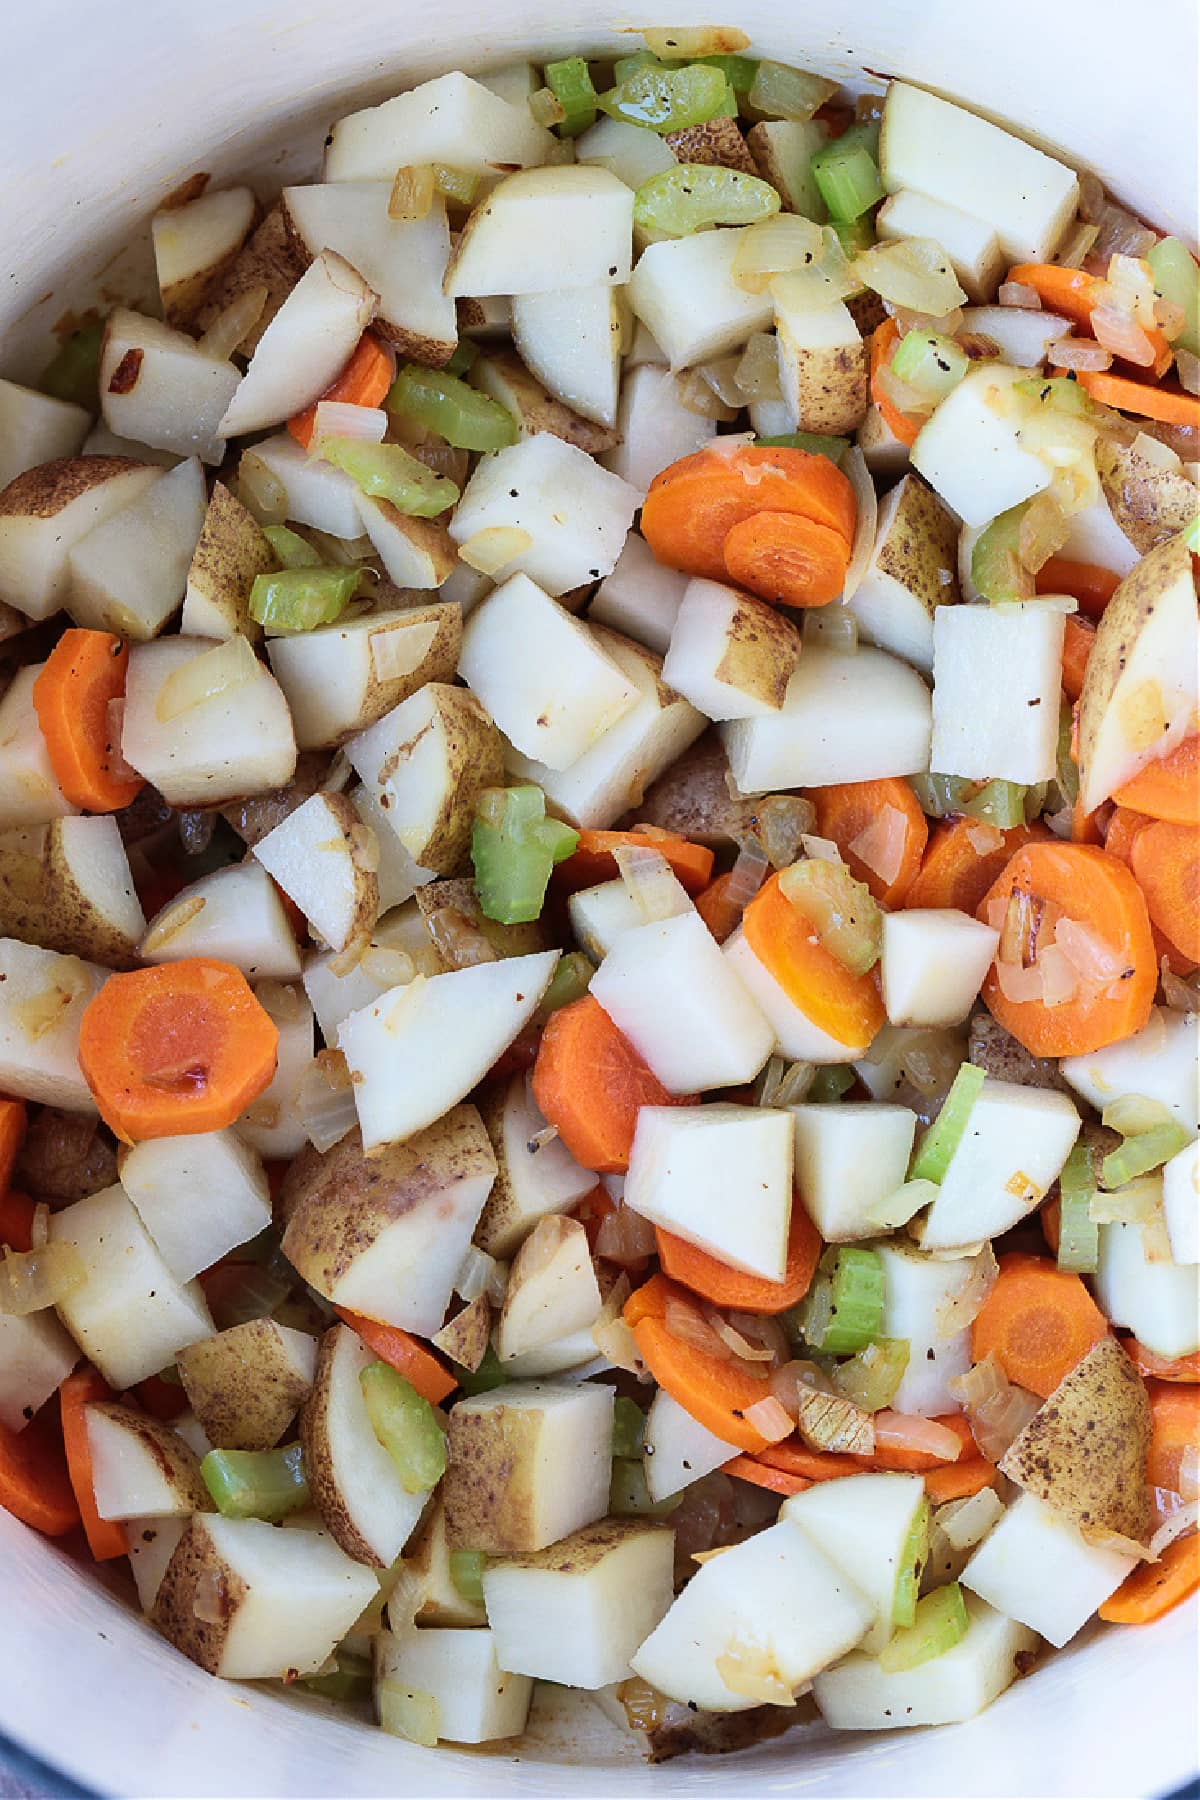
point(932, 1156)
point(299, 599)
point(629, 1427)
point(913, 1558)
point(444, 404)
point(843, 1311)
point(871, 1376)
point(388, 472)
point(996, 568)
point(291, 550)
point(74, 373)
point(466, 1572)
point(998, 803)
point(406, 1425)
point(570, 982)
point(847, 174)
point(514, 846)
point(694, 196)
point(571, 85)
point(940, 1621)
point(815, 442)
point(1078, 1233)
point(667, 99)
point(256, 1484)
point(1144, 1151)
point(930, 362)
point(1177, 278)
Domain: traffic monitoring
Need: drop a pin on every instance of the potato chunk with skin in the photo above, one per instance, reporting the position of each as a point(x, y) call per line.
point(453, 119)
point(532, 1178)
point(321, 855)
point(339, 679)
point(46, 511)
point(128, 573)
point(822, 366)
point(731, 655)
point(552, 1289)
point(194, 244)
point(66, 885)
point(527, 1464)
point(247, 1384)
point(140, 1467)
point(36, 1356)
point(230, 553)
point(642, 598)
point(911, 572)
point(720, 1177)
point(158, 387)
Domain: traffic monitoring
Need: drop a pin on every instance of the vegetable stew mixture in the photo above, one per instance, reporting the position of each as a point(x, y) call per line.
point(599, 910)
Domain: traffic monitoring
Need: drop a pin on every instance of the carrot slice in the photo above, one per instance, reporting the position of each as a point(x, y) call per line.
point(106, 1537)
point(776, 1481)
point(1038, 1322)
point(13, 1120)
point(593, 861)
point(364, 381)
point(1076, 295)
point(16, 1220)
point(956, 871)
point(884, 339)
point(1169, 405)
point(1165, 859)
point(405, 1353)
point(845, 1006)
point(34, 1485)
point(1095, 889)
point(787, 559)
point(1153, 1589)
point(716, 1393)
point(1086, 582)
point(720, 914)
point(1163, 1368)
point(1168, 788)
point(1078, 638)
point(955, 1481)
point(724, 1286)
point(1174, 1427)
point(1125, 827)
point(848, 812)
point(183, 1047)
point(83, 673)
point(795, 1458)
point(590, 1082)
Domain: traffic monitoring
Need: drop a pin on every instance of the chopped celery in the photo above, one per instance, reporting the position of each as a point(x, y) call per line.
point(490, 1374)
point(999, 803)
point(1177, 279)
point(625, 66)
point(466, 1572)
point(256, 1484)
point(855, 235)
point(996, 568)
point(298, 599)
point(930, 362)
point(941, 795)
point(780, 92)
point(74, 373)
point(628, 1495)
point(829, 1083)
point(815, 442)
point(571, 85)
point(846, 916)
point(843, 1311)
point(1191, 536)
point(291, 550)
point(932, 1156)
point(913, 1558)
point(455, 184)
point(1066, 768)
point(847, 174)
point(870, 1378)
point(350, 1680)
point(692, 196)
point(465, 357)
point(514, 846)
point(1058, 392)
point(388, 472)
point(445, 404)
point(667, 99)
point(1078, 1233)
point(406, 1425)
point(409, 1713)
point(1138, 1155)
point(741, 72)
point(939, 1623)
point(571, 979)
point(629, 1427)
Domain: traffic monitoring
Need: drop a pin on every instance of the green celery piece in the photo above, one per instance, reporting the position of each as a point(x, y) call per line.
point(932, 1156)
point(843, 911)
point(941, 795)
point(856, 1302)
point(1066, 768)
point(1191, 536)
point(1058, 392)
point(445, 404)
point(625, 66)
point(388, 472)
point(466, 1572)
point(667, 99)
point(570, 981)
point(1078, 1233)
point(995, 568)
point(847, 175)
point(256, 1484)
point(855, 235)
point(490, 1374)
point(998, 803)
point(514, 856)
point(299, 599)
point(871, 1376)
point(291, 550)
point(456, 184)
point(571, 85)
point(465, 357)
point(940, 1622)
point(74, 373)
point(351, 1680)
point(1144, 1151)
point(930, 361)
point(740, 72)
point(829, 1083)
point(693, 196)
point(1177, 278)
point(913, 1558)
point(628, 1495)
point(406, 1425)
point(780, 92)
point(815, 442)
point(629, 1426)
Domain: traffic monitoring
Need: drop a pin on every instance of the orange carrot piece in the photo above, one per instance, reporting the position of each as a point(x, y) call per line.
point(720, 914)
point(182, 1047)
point(787, 559)
point(590, 1082)
point(1124, 829)
point(405, 1353)
point(16, 1220)
point(716, 1393)
point(1095, 889)
point(1038, 1322)
point(884, 339)
point(83, 673)
point(848, 809)
point(34, 1485)
point(794, 1458)
point(716, 1281)
point(364, 381)
point(106, 1537)
point(955, 1481)
point(1165, 859)
point(845, 1006)
point(1168, 788)
point(1169, 405)
point(1163, 1368)
point(1086, 827)
point(1174, 1427)
point(955, 872)
point(13, 1120)
point(592, 1210)
point(1078, 638)
point(593, 861)
point(776, 1481)
point(1086, 582)
point(1124, 825)
point(1076, 295)
point(1153, 1589)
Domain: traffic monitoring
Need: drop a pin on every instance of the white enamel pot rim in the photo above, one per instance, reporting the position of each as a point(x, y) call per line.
point(107, 109)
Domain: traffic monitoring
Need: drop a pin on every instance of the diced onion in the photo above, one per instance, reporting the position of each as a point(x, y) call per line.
point(334, 418)
point(1187, 367)
point(1180, 995)
point(747, 876)
point(1138, 1202)
point(625, 1238)
point(997, 1410)
point(1043, 530)
point(880, 844)
point(324, 1101)
point(696, 395)
point(757, 372)
point(721, 377)
point(214, 672)
point(649, 881)
point(480, 1273)
point(833, 1423)
point(832, 627)
point(613, 1336)
point(854, 466)
point(389, 967)
point(1156, 452)
point(1092, 956)
point(962, 1307)
point(234, 323)
point(1059, 976)
point(688, 1325)
point(774, 247)
point(914, 273)
point(1019, 293)
point(1077, 244)
point(822, 282)
point(39, 1226)
point(1078, 353)
point(1120, 332)
point(1134, 1113)
point(783, 1083)
point(489, 550)
point(260, 490)
point(769, 1419)
point(1176, 1526)
point(1131, 288)
point(408, 1713)
point(908, 1431)
point(779, 822)
point(31, 1280)
point(211, 1600)
point(903, 1204)
point(1019, 985)
point(966, 1523)
point(984, 839)
point(820, 849)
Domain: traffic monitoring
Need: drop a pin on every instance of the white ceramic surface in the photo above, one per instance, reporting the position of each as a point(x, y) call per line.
point(106, 109)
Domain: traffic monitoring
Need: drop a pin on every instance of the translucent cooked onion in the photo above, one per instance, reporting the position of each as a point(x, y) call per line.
point(1095, 959)
point(234, 323)
point(39, 1226)
point(1120, 332)
point(324, 1101)
point(613, 1337)
point(1058, 974)
point(213, 673)
point(983, 839)
point(931, 1061)
point(1187, 367)
point(1131, 288)
point(1133, 1113)
point(334, 418)
point(784, 1083)
point(997, 1410)
point(1176, 1526)
point(822, 282)
point(757, 372)
point(775, 246)
point(1189, 1472)
point(389, 967)
point(1137, 1202)
point(721, 377)
point(479, 1273)
point(31, 1280)
point(778, 826)
point(1077, 245)
point(1180, 995)
point(903, 1204)
point(625, 1238)
point(854, 467)
point(746, 877)
point(914, 273)
point(490, 550)
point(211, 1602)
point(412, 192)
point(1018, 293)
point(1043, 530)
point(962, 1307)
point(688, 1325)
point(1078, 353)
point(649, 881)
point(901, 394)
point(966, 1523)
point(907, 1431)
point(696, 395)
point(880, 845)
point(769, 1419)
point(832, 627)
point(260, 490)
point(820, 849)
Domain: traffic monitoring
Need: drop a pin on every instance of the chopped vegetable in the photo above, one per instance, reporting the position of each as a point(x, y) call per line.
point(594, 858)
point(590, 1082)
point(725, 1286)
point(1038, 1321)
point(31, 1280)
point(349, 1681)
point(718, 1391)
point(364, 381)
point(405, 1424)
point(1169, 787)
point(74, 697)
point(514, 846)
point(784, 940)
point(1154, 1589)
point(570, 982)
point(256, 1484)
point(13, 1120)
point(667, 99)
point(847, 919)
point(629, 1496)
point(911, 1567)
point(466, 1572)
point(932, 1156)
point(816, 443)
point(1165, 859)
point(871, 1377)
point(404, 1353)
point(301, 598)
point(1177, 279)
point(629, 1425)
point(490, 1374)
point(291, 550)
point(1142, 1152)
point(781, 92)
point(388, 472)
point(105, 1537)
point(939, 1622)
point(884, 339)
point(847, 174)
point(996, 567)
point(442, 403)
point(1169, 404)
point(880, 829)
point(34, 1482)
point(829, 1083)
point(16, 1217)
point(694, 196)
point(74, 372)
point(930, 362)
point(998, 803)
point(1078, 1234)
point(843, 1312)
point(571, 85)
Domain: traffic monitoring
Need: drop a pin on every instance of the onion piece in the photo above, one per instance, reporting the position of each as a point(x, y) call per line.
point(996, 1409)
point(625, 1238)
point(903, 1204)
point(966, 1523)
point(32, 1280)
point(1078, 353)
point(1134, 1113)
point(1120, 332)
point(854, 467)
point(833, 1423)
point(757, 373)
point(785, 1084)
point(490, 550)
point(907, 1431)
point(984, 838)
point(721, 376)
point(335, 418)
point(217, 671)
point(412, 192)
point(649, 881)
point(260, 490)
point(747, 876)
point(880, 845)
point(778, 824)
point(914, 273)
point(1019, 293)
point(324, 1101)
point(820, 849)
point(696, 395)
point(234, 323)
point(775, 246)
point(1095, 959)
point(1177, 1525)
point(613, 1336)
point(1060, 977)
point(769, 1419)
point(961, 1308)
point(1180, 995)
point(832, 627)
point(479, 1273)
point(1187, 367)
point(1137, 1202)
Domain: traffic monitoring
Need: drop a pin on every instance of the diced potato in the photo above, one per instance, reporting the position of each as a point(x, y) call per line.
point(718, 1176)
point(247, 1384)
point(656, 430)
point(42, 999)
point(321, 856)
point(849, 1158)
point(796, 1034)
point(271, 1124)
point(513, 82)
point(140, 1467)
point(1181, 1203)
point(970, 451)
point(1158, 1062)
point(194, 244)
point(640, 598)
point(293, 1595)
point(862, 1525)
point(528, 1463)
point(532, 1178)
point(502, 375)
point(36, 1356)
point(933, 964)
point(575, 1613)
point(235, 915)
point(1158, 1301)
point(314, 492)
point(266, 260)
point(731, 655)
point(67, 886)
point(783, 150)
point(684, 290)
point(997, 677)
point(398, 875)
point(599, 915)
point(128, 573)
point(571, 340)
point(130, 1315)
point(29, 790)
point(386, 1236)
point(542, 230)
point(629, 152)
point(465, 1337)
point(552, 1289)
point(340, 679)
point(36, 428)
point(307, 344)
point(47, 511)
point(199, 1196)
point(1035, 1566)
point(152, 1544)
point(453, 120)
point(231, 552)
point(677, 1449)
point(427, 1557)
point(970, 243)
point(822, 367)
point(1014, 1145)
point(158, 387)
point(915, 1288)
point(450, 912)
point(678, 1001)
point(417, 553)
point(912, 571)
point(473, 1699)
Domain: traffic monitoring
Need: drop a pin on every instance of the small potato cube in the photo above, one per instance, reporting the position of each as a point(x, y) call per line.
point(322, 858)
point(1013, 1146)
point(915, 1289)
point(822, 367)
point(970, 243)
point(532, 1179)
point(46, 511)
point(128, 573)
point(684, 291)
point(731, 655)
point(236, 915)
point(542, 230)
point(1181, 1203)
point(198, 1196)
point(36, 428)
point(1158, 1062)
point(656, 430)
point(970, 452)
point(552, 1289)
point(641, 597)
point(1158, 1301)
point(141, 1468)
point(600, 914)
point(848, 1159)
point(997, 677)
point(340, 679)
point(528, 1463)
point(36, 1355)
point(159, 388)
point(453, 119)
point(1035, 1566)
point(247, 1384)
point(678, 1449)
point(575, 1613)
point(933, 964)
point(718, 1176)
point(474, 1699)
point(427, 1557)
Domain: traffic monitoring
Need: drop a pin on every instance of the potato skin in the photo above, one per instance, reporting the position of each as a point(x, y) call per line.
point(488, 1490)
point(506, 378)
point(43, 492)
point(42, 901)
point(243, 1389)
point(178, 1462)
point(318, 1460)
point(230, 552)
point(174, 1609)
